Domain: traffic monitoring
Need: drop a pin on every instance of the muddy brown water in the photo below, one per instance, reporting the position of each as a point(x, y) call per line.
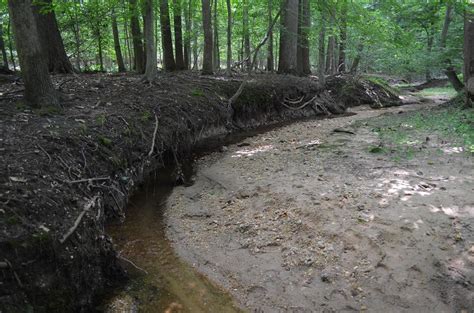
point(160, 281)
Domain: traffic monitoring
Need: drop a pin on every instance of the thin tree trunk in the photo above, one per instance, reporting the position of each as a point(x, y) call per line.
point(138, 52)
point(321, 55)
point(216, 56)
point(50, 38)
point(229, 38)
point(429, 50)
point(127, 44)
point(288, 37)
point(341, 64)
point(101, 56)
point(187, 35)
point(151, 65)
point(178, 35)
point(246, 34)
point(10, 45)
point(270, 57)
point(3, 50)
point(166, 37)
point(77, 40)
point(450, 71)
point(304, 24)
point(356, 62)
point(118, 49)
point(39, 90)
point(207, 66)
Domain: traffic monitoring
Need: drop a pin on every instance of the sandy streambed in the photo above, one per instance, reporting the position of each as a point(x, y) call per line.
point(303, 219)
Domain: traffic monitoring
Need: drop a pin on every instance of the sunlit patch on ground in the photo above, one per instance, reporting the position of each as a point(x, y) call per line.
point(453, 150)
point(252, 151)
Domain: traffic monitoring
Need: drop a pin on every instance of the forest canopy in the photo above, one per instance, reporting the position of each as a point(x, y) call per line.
point(393, 37)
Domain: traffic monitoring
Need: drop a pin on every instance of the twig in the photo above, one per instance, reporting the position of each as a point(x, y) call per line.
point(121, 257)
point(87, 207)
point(85, 180)
point(49, 157)
point(14, 273)
point(154, 136)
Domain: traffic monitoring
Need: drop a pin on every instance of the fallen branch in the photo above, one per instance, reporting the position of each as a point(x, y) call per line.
point(257, 49)
point(132, 264)
point(87, 207)
point(86, 180)
point(154, 136)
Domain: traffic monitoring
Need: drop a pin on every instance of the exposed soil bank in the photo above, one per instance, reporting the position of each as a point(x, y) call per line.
point(66, 173)
point(308, 219)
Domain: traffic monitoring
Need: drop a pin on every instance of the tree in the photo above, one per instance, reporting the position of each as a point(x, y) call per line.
point(39, 90)
point(3, 50)
point(321, 50)
point(138, 52)
point(207, 66)
point(178, 35)
point(50, 38)
point(229, 38)
point(216, 56)
point(288, 37)
point(151, 64)
point(450, 71)
point(118, 49)
point(246, 34)
point(304, 24)
point(166, 38)
point(469, 53)
point(341, 64)
point(270, 58)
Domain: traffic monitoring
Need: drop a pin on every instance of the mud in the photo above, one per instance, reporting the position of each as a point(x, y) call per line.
point(310, 217)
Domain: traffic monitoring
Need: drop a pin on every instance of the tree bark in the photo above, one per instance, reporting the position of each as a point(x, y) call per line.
point(166, 38)
point(304, 24)
point(3, 50)
point(118, 49)
point(341, 64)
point(207, 66)
point(270, 57)
point(151, 63)
point(356, 61)
point(321, 51)
point(187, 35)
point(288, 37)
point(138, 52)
point(10, 45)
point(39, 90)
point(50, 38)
point(216, 56)
point(178, 35)
point(246, 34)
point(469, 53)
point(229, 38)
point(99, 41)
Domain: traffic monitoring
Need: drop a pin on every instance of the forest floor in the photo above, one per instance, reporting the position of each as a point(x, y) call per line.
point(371, 212)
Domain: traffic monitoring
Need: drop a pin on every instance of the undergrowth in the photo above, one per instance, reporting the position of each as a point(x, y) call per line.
point(407, 134)
point(438, 91)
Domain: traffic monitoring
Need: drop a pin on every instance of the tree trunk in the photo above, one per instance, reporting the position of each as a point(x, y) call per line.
point(341, 64)
point(330, 56)
point(450, 71)
point(321, 55)
point(77, 40)
point(270, 57)
point(118, 49)
point(304, 24)
point(207, 66)
point(246, 34)
point(166, 38)
point(469, 53)
point(39, 90)
point(229, 38)
point(10, 45)
point(187, 35)
point(50, 38)
point(178, 35)
point(151, 65)
point(3, 50)
point(216, 56)
point(138, 52)
point(101, 56)
point(288, 37)
point(356, 62)
point(429, 49)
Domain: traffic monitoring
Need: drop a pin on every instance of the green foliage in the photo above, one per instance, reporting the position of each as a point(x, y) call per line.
point(438, 91)
point(197, 93)
point(105, 141)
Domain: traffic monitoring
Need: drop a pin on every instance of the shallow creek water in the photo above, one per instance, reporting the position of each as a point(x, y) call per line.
point(169, 285)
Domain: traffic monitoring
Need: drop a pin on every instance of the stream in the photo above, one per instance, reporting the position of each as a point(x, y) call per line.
point(160, 281)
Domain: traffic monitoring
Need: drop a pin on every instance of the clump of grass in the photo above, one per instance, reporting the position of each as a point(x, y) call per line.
point(197, 93)
point(438, 91)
